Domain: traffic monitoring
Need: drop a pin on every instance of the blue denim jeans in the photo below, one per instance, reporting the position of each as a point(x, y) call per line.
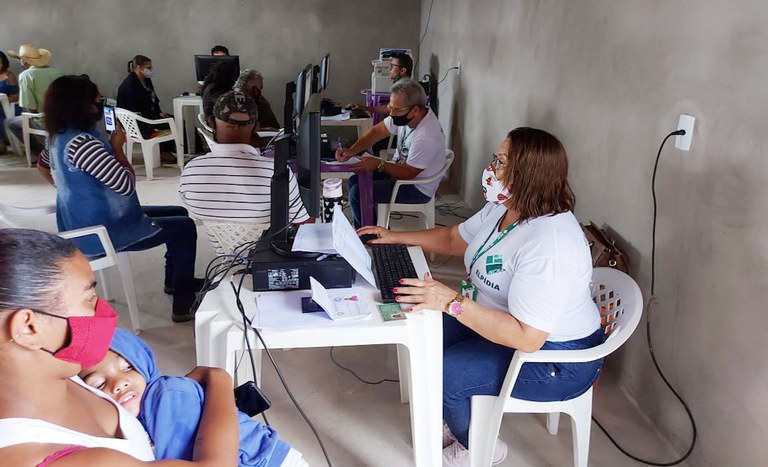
point(383, 185)
point(473, 365)
point(179, 235)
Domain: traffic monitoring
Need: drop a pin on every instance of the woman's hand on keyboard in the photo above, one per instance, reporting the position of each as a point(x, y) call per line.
point(382, 235)
point(427, 294)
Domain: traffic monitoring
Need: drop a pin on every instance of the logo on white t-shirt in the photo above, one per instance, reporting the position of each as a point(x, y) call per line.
point(493, 264)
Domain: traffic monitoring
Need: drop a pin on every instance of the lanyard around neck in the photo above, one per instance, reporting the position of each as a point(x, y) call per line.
point(481, 251)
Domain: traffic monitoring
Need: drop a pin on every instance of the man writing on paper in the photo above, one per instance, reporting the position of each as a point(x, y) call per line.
point(420, 150)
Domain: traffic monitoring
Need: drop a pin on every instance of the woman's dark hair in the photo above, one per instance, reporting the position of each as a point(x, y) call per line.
point(537, 174)
point(4, 64)
point(140, 60)
point(31, 268)
point(222, 77)
point(69, 104)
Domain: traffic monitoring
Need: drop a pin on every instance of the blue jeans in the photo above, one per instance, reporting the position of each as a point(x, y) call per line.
point(179, 235)
point(473, 365)
point(383, 185)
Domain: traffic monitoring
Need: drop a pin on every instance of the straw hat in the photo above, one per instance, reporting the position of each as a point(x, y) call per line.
point(32, 55)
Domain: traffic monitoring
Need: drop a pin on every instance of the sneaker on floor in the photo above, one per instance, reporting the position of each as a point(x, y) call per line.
point(448, 437)
point(456, 455)
point(182, 307)
point(197, 285)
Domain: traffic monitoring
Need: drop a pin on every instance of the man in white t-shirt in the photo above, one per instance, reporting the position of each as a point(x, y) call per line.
point(420, 150)
point(232, 182)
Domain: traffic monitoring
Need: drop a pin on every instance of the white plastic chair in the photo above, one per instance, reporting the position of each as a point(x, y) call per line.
point(427, 209)
point(621, 305)
point(9, 109)
point(205, 131)
point(150, 148)
point(111, 257)
point(226, 237)
point(27, 130)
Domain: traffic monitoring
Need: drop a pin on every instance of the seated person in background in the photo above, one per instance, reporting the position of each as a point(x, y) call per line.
point(528, 286)
point(251, 83)
point(33, 84)
point(400, 67)
point(137, 94)
point(170, 407)
point(220, 79)
point(420, 150)
point(232, 182)
point(96, 185)
point(9, 86)
point(219, 51)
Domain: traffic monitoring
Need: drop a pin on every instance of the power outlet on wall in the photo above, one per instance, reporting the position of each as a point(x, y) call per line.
point(458, 69)
point(685, 123)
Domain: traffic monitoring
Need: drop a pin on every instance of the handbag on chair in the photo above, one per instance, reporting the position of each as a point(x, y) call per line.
point(604, 251)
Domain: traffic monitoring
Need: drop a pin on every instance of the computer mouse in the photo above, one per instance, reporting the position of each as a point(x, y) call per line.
point(185, 93)
point(365, 238)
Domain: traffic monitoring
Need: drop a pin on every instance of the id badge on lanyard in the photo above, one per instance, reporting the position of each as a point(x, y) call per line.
point(468, 289)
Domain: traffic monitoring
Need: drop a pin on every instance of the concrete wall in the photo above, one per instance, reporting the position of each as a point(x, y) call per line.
point(98, 37)
point(610, 79)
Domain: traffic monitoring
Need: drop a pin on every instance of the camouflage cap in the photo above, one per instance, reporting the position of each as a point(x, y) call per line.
point(234, 102)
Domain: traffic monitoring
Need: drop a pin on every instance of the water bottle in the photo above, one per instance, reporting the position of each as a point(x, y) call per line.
point(332, 196)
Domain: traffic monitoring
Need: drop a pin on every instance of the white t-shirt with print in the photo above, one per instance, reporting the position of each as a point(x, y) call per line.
point(540, 272)
point(422, 147)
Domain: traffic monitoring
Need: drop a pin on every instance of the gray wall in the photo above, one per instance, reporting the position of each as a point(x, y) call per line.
point(610, 79)
point(277, 38)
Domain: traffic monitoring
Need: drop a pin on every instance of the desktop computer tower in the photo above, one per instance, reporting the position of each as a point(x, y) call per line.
point(271, 271)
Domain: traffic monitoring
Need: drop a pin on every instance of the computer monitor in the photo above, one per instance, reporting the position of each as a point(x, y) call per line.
point(320, 75)
point(203, 64)
point(308, 157)
point(303, 90)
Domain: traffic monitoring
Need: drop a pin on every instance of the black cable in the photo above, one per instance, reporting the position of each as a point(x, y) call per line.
point(446, 73)
point(651, 301)
point(426, 28)
point(373, 383)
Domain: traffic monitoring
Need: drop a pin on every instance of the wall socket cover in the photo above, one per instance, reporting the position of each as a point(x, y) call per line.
point(685, 123)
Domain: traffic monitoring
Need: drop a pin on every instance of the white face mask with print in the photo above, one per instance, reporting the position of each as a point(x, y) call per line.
point(493, 188)
point(147, 72)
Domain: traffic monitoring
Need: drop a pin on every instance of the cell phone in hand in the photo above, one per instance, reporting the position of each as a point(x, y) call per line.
point(250, 400)
point(109, 118)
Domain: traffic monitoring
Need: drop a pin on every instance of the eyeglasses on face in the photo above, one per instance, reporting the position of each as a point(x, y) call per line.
point(401, 111)
point(497, 162)
point(392, 66)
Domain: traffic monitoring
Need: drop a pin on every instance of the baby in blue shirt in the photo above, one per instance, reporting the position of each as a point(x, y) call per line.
point(170, 407)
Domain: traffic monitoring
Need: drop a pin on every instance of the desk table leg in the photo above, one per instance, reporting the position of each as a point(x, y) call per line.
point(425, 353)
point(178, 118)
point(365, 180)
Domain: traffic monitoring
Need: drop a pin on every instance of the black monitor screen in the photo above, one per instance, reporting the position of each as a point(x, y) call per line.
point(298, 98)
point(308, 157)
point(322, 83)
point(203, 64)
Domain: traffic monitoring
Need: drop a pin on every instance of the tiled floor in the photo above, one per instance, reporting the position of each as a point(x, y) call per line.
point(360, 424)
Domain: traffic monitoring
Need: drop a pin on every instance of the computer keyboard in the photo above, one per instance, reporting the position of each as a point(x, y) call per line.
point(392, 262)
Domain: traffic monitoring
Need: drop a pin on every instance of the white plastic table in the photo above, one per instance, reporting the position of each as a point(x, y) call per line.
point(183, 126)
point(219, 335)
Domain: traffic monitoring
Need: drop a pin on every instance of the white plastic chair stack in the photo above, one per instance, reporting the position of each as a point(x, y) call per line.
point(150, 148)
point(621, 304)
point(27, 130)
point(9, 110)
point(226, 237)
point(427, 209)
point(111, 257)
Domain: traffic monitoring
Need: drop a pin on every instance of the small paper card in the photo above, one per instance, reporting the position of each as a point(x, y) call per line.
point(391, 312)
point(339, 306)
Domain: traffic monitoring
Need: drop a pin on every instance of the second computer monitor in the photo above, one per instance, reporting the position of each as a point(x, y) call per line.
point(204, 63)
point(308, 157)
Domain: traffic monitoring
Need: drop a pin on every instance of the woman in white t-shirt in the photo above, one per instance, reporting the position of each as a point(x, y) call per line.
point(528, 286)
point(51, 325)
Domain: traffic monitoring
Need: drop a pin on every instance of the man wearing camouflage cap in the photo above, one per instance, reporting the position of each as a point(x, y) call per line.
point(232, 182)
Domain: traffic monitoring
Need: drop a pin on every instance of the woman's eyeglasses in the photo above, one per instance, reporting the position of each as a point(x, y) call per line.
point(497, 163)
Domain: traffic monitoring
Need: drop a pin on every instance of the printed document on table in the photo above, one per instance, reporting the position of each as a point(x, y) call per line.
point(344, 115)
point(350, 247)
point(316, 238)
point(281, 311)
point(340, 304)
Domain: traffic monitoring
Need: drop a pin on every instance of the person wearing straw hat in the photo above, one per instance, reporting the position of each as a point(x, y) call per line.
point(33, 83)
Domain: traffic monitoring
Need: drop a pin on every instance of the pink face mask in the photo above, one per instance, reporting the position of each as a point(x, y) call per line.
point(90, 336)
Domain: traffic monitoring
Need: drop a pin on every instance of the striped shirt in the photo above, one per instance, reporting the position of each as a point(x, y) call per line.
point(232, 183)
point(91, 155)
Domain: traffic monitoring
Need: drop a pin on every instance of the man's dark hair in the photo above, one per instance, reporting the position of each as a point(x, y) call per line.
point(219, 48)
point(4, 65)
point(405, 61)
point(69, 104)
point(31, 271)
